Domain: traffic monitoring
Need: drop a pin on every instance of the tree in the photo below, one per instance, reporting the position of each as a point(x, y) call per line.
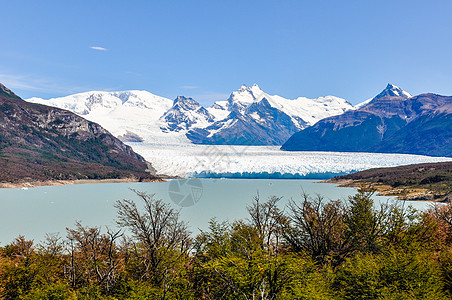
point(161, 240)
point(214, 242)
point(393, 275)
point(93, 257)
point(316, 227)
point(18, 271)
point(442, 213)
point(265, 217)
point(364, 223)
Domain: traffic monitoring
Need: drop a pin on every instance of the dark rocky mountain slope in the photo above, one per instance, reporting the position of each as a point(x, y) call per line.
point(259, 124)
point(393, 122)
point(39, 142)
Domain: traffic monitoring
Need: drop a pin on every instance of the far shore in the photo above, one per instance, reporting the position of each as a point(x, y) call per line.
point(32, 183)
point(401, 193)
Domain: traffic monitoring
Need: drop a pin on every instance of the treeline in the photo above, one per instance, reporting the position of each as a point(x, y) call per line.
point(311, 249)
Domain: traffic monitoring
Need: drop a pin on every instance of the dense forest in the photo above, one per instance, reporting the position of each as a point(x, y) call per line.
point(311, 249)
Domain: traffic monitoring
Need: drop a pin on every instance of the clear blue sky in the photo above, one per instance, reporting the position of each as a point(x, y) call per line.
point(206, 49)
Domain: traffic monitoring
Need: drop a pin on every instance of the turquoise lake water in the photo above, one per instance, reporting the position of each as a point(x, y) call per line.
point(35, 211)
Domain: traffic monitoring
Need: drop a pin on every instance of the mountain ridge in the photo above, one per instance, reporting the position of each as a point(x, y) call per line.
point(40, 142)
point(154, 119)
point(390, 122)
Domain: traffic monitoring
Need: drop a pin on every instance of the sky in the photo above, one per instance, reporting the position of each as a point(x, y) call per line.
point(207, 49)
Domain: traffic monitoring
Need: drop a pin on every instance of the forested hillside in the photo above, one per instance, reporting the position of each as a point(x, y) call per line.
point(39, 142)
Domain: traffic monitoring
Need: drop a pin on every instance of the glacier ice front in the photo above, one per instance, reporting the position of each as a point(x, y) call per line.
point(216, 161)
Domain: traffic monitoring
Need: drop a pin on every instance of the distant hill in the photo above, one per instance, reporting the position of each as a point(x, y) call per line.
point(392, 122)
point(39, 142)
point(429, 181)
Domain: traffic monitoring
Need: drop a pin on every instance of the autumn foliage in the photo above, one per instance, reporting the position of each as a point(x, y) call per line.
point(310, 249)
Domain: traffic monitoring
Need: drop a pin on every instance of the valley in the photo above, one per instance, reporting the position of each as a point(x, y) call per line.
point(240, 137)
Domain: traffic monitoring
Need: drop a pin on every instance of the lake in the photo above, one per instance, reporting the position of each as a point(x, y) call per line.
point(35, 211)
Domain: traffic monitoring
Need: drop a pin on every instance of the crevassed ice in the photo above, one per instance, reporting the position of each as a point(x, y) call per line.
point(189, 160)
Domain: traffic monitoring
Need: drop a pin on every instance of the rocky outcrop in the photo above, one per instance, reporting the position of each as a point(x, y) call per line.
point(258, 124)
point(42, 143)
point(184, 113)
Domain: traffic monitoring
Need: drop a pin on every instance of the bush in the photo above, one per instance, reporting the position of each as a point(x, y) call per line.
point(401, 275)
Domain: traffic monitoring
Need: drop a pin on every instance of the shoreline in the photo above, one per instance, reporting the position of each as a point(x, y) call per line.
point(402, 193)
point(37, 183)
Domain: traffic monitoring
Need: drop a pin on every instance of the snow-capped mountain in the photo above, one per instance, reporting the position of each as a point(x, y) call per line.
point(257, 118)
point(257, 124)
point(248, 116)
point(132, 116)
point(392, 122)
point(390, 91)
point(106, 102)
point(184, 114)
point(393, 91)
point(58, 145)
point(309, 110)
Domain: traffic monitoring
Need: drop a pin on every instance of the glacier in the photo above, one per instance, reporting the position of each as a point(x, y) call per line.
point(158, 129)
point(227, 161)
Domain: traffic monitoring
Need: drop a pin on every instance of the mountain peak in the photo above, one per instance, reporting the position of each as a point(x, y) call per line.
point(256, 90)
point(243, 88)
point(7, 92)
point(391, 86)
point(182, 99)
point(393, 91)
point(185, 103)
point(186, 112)
point(245, 96)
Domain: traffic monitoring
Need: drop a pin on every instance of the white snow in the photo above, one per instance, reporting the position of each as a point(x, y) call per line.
point(397, 90)
point(255, 116)
point(140, 113)
point(189, 160)
point(136, 112)
point(313, 110)
point(362, 104)
point(219, 110)
point(310, 110)
point(407, 94)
